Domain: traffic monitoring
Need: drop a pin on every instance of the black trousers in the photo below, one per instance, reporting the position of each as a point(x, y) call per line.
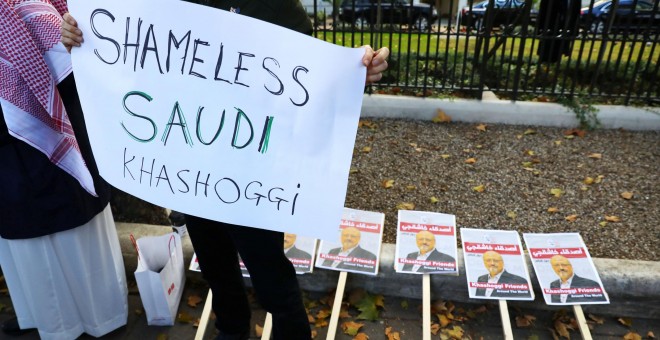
point(273, 277)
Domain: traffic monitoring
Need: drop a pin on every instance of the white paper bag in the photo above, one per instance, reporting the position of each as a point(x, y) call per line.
point(160, 277)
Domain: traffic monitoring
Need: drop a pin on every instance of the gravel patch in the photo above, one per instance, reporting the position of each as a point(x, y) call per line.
point(428, 160)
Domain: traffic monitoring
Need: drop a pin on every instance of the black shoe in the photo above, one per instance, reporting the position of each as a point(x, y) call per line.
point(241, 336)
point(11, 327)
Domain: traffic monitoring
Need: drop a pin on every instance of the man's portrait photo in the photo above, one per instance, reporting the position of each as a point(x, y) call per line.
point(350, 241)
point(568, 279)
point(427, 252)
point(290, 248)
point(494, 264)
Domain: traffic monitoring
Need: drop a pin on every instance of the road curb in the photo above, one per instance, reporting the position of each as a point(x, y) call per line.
point(507, 112)
point(632, 285)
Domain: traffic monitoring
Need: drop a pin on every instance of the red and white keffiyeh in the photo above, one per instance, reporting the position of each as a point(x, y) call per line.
point(32, 62)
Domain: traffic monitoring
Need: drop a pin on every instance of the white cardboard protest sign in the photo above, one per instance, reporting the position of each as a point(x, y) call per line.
point(219, 115)
point(494, 265)
point(356, 245)
point(564, 269)
point(419, 230)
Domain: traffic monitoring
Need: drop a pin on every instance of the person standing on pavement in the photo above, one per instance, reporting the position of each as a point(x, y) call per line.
point(59, 251)
point(217, 244)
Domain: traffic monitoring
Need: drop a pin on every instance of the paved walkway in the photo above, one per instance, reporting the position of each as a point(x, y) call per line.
point(403, 313)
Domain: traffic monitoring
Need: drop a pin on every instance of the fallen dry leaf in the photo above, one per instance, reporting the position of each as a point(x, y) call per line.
point(314, 333)
point(368, 124)
point(571, 218)
point(588, 181)
point(444, 320)
point(388, 183)
point(366, 149)
point(599, 179)
point(627, 195)
point(575, 132)
point(411, 187)
point(612, 218)
point(596, 319)
point(194, 300)
point(441, 117)
point(454, 333)
point(433, 200)
point(557, 142)
point(512, 215)
point(471, 160)
point(632, 336)
point(445, 156)
point(351, 327)
point(323, 314)
point(650, 335)
point(561, 329)
point(525, 321)
point(394, 336)
point(529, 132)
point(435, 328)
point(625, 321)
point(161, 336)
point(556, 192)
point(602, 223)
point(482, 127)
point(405, 206)
point(258, 330)
point(553, 210)
point(479, 188)
point(595, 155)
point(361, 336)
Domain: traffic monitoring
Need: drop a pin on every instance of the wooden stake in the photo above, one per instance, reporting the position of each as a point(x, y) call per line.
point(584, 328)
point(204, 319)
point(268, 326)
point(336, 307)
point(426, 306)
point(506, 321)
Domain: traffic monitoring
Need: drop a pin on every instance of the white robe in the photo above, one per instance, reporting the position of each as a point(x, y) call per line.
point(68, 283)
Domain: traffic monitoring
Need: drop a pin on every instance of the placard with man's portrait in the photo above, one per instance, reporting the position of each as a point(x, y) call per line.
point(300, 251)
point(564, 269)
point(425, 243)
point(358, 247)
point(495, 266)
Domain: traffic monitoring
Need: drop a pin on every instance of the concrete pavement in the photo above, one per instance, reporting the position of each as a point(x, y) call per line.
point(633, 286)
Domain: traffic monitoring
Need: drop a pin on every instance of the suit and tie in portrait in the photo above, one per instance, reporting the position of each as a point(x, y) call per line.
point(495, 265)
point(427, 252)
point(564, 269)
point(350, 240)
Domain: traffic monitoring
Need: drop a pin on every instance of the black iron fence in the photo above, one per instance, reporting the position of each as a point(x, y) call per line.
point(606, 51)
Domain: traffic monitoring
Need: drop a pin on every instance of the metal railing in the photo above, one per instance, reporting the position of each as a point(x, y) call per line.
point(547, 50)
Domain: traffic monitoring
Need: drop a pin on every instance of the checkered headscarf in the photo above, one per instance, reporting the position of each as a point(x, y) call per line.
point(32, 62)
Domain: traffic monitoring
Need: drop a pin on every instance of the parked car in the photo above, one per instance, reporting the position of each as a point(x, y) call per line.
point(506, 12)
point(322, 6)
point(631, 16)
point(363, 13)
